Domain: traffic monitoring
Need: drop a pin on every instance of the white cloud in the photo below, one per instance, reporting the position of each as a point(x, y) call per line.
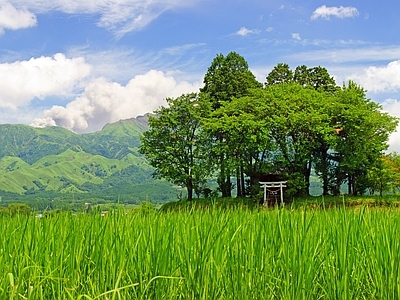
point(120, 16)
point(366, 54)
point(13, 18)
point(392, 106)
point(181, 49)
point(380, 79)
point(22, 81)
point(296, 36)
point(339, 12)
point(243, 31)
point(121, 64)
point(103, 101)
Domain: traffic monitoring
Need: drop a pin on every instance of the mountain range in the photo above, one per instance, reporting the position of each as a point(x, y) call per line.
point(53, 160)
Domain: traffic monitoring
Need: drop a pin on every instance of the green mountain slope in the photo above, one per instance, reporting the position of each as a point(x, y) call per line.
point(117, 139)
point(69, 169)
point(40, 161)
point(31, 144)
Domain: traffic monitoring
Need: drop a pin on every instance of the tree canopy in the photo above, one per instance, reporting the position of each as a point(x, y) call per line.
point(298, 123)
point(226, 79)
point(175, 144)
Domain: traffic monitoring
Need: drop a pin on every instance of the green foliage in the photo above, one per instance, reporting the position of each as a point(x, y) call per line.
point(281, 73)
point(363, 138)
point(15, 209)
point(146, 208)
point(175, 145)
point(301, 122)
point(227, 78)
point(384, 176)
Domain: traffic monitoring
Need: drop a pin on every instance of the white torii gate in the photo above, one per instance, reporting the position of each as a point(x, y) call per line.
point(273, 184)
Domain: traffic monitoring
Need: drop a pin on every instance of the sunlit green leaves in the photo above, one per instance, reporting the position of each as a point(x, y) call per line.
point(175, 144)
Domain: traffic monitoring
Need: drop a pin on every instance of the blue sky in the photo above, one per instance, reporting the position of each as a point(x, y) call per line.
point(84, 63)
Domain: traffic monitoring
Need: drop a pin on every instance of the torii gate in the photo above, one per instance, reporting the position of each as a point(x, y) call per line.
point(274, 184)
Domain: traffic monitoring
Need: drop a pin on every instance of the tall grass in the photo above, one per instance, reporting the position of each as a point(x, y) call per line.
point(203, 254)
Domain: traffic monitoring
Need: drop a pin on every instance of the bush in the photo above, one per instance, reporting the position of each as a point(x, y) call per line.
point(14, 209)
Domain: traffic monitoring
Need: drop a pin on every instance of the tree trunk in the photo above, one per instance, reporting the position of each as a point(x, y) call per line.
point(242, 181)
point(325, 165)
point(307, 177)
point(221, 179)
point(228, 184)
point(238, 183)
point(349, 185)
point(189, 186)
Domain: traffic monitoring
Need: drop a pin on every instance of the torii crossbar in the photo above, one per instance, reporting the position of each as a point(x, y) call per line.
point(273, 184)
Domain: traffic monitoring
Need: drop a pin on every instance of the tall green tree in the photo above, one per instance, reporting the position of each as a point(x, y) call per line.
point(299, 120)
point(281, 73)
point(245, 124)
point(383, 176)
point(318, 79)
point(365, 130)
point(391, 170)
point(276, 131)
point(175, 144)
point(228, 77)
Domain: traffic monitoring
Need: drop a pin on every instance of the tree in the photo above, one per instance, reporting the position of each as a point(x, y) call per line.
point(318, 79)
point(384, 176)
point(363, 137)
point(391, 170)
point(281, 73)
point(175, 144)
point(245, 126)
point(299, 121)
point(228, 77)
point(274, 130)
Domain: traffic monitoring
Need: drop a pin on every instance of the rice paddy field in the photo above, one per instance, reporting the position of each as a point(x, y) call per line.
point(203, 254)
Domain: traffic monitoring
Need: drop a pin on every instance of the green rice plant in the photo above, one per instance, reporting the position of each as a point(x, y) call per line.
point(208, 253)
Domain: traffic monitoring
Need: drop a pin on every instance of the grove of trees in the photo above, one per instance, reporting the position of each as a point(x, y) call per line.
point(296, 123)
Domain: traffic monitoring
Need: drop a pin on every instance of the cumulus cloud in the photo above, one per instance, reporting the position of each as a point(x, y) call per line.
point(103, 101)
point(296, 36)
point(22, 81)
point(339, 12)
point(392, 106)
point(378, 79)
point(243, 31)
point(120, 16)
point(13, 18)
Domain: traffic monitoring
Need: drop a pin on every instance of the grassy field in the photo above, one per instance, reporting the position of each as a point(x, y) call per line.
point(207, 253)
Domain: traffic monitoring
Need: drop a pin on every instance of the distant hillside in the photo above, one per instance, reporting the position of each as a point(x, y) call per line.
point(31, 144)
point(56, 160)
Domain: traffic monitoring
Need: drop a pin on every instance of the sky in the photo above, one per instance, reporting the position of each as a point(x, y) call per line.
point(82, 64)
